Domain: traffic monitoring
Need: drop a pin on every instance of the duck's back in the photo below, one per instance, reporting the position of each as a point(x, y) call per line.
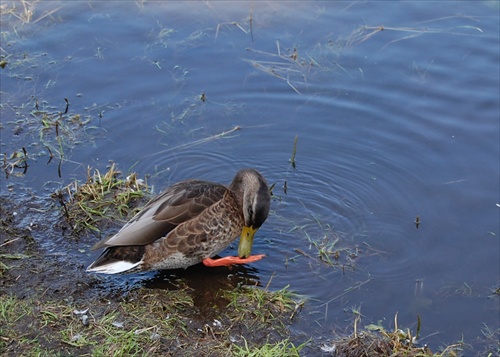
point(178, 204)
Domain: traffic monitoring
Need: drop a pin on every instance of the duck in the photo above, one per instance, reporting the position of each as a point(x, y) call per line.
point(189, 223)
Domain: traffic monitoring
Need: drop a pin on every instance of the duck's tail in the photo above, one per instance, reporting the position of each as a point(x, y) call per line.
point(118, 260)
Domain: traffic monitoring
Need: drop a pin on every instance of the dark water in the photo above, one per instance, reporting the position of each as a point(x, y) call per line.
point(396, 109)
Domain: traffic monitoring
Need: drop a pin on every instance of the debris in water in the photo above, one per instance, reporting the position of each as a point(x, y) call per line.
point(328, 349)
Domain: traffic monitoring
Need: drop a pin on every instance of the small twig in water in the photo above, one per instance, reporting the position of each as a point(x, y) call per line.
point(67, 106)
point(25, 160)
point(294, 151)
point(251, 21)
point(228, 23)
point(9, 242)
point(51, 155)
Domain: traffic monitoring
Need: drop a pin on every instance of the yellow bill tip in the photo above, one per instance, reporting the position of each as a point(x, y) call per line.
point(246, 241)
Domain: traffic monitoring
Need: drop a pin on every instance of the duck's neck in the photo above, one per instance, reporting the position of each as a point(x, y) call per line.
point(232, 197)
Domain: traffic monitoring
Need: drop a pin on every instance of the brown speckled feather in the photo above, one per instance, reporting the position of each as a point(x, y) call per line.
point(179, 203)
point(187, 223)
point(207, 235)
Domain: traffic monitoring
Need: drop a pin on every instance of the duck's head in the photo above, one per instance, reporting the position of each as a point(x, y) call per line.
point(251, 189)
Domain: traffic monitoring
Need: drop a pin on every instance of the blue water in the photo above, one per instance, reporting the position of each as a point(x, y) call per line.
point(396, 110)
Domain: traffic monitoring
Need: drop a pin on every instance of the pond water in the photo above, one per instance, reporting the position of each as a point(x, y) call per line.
point(395, 107)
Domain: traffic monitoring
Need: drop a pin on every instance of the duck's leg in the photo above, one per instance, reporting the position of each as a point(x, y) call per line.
point(228, 261)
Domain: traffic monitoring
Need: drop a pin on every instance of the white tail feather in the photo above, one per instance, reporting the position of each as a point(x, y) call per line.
point(113, 268)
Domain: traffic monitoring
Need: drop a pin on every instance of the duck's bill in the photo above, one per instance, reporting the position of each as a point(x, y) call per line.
point(246, 242)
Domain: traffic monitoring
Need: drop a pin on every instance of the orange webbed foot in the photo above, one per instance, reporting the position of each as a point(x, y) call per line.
point(228, 261)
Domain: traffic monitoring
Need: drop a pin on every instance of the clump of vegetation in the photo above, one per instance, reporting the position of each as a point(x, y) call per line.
point(327, 246)
point(285, 65)
point(375, 341)
point(25, 11)
point(101, 198)
point(491, 341)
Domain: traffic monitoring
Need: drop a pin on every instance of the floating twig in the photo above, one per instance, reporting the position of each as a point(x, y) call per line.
point(59, 166)
point(25, 160)
point(303, 253)
point(294, 151)
point(228, 23)
point(251, 21)
point(67, 106)
point(51, 155)
point(9, 242)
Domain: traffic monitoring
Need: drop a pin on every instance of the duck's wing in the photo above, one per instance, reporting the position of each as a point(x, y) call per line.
point(179, 203)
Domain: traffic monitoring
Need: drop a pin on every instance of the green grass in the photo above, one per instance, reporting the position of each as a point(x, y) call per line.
point(279, 349)
point(260, 305)
point(148, 322)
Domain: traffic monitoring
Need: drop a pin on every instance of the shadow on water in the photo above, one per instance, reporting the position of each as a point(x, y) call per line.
point(206, 285)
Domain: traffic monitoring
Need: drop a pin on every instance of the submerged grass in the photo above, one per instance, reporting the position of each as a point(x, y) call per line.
point(328, 246)
point(49, 133)
point(491, 341)
point(295, 66)
point(287, 66)
point(42, 130)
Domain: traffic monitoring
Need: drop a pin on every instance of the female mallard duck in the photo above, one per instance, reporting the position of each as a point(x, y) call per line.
point(190, 222)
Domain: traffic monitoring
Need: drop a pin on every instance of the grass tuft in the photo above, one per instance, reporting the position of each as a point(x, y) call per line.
point(375, 341)
point(328, 247)
point(282, 348)
point(104, 196)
